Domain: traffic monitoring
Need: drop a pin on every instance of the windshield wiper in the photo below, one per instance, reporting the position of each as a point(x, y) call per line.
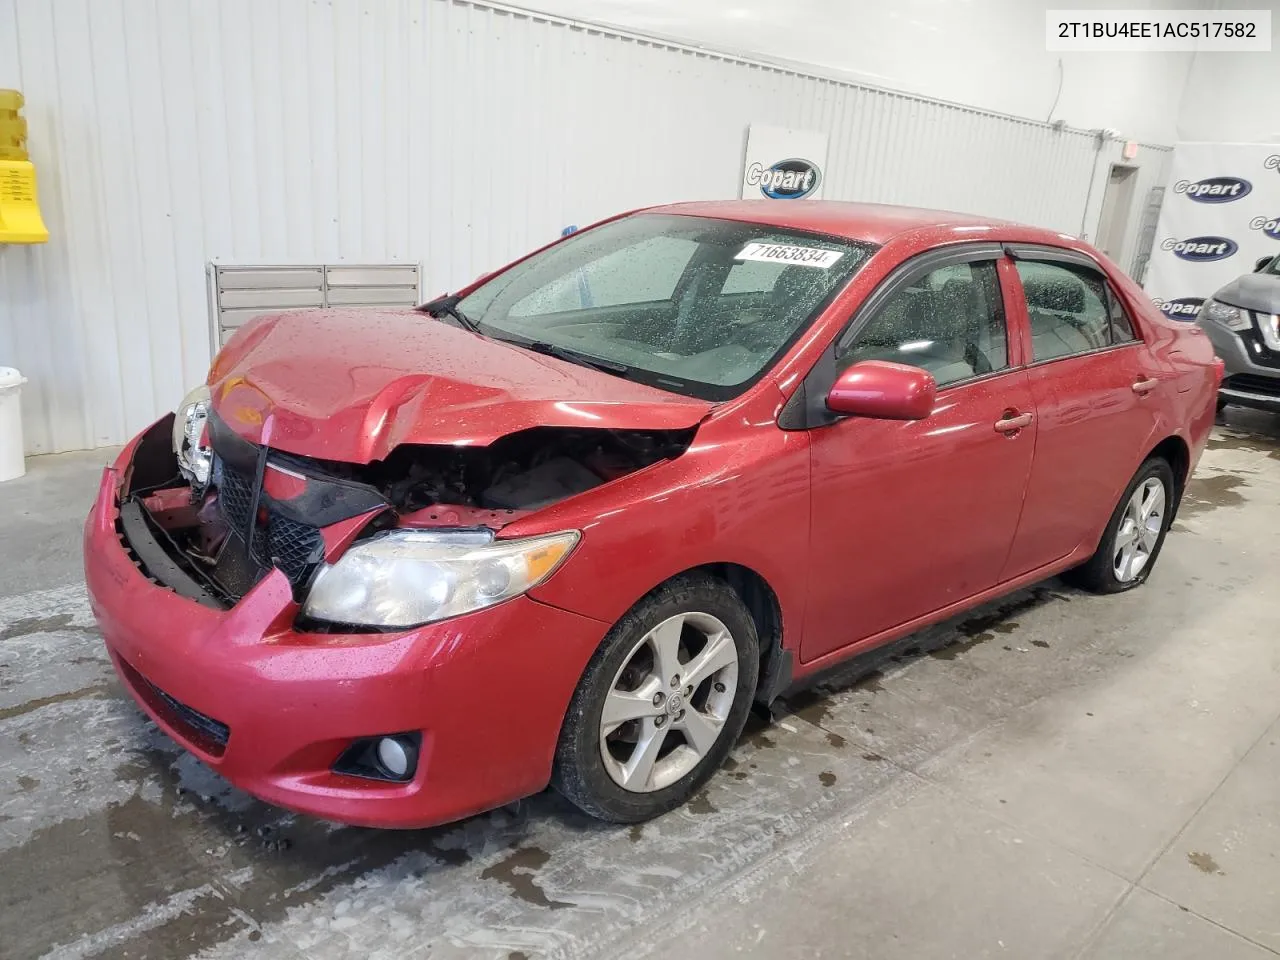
point(573, 356)
point(448, 307)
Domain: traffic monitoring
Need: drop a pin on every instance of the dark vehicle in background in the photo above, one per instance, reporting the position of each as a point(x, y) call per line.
point(1243, 321)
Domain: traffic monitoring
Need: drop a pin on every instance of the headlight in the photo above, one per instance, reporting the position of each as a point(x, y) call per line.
point(189, 421)
point(1233, 318)
point(403, 578)
point(1270, 324)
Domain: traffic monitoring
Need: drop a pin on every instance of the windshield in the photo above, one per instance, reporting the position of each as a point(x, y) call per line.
point(698, 306)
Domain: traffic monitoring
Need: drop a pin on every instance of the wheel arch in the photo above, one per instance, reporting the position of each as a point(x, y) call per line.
point(762, 603)
point(1174, 451)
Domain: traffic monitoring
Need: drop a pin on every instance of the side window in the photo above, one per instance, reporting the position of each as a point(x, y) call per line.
point(1069, 309)
point(949, 321)
point(1121, 325)
point(614, 279)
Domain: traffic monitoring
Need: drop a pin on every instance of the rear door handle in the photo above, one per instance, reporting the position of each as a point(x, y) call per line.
point(1012, 424)
point(1142, 387)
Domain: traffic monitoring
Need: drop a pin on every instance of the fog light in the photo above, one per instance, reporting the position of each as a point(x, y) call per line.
point(393, 757)
point(396, 756)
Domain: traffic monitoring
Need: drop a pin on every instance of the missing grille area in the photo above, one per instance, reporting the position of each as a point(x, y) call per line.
point(278, 540)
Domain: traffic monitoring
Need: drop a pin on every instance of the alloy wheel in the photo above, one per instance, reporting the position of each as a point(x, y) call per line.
point(668, 702)
point(1139, 530)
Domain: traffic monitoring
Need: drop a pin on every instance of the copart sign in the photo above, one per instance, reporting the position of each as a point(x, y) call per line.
point(783, 164)
point(786, 179)
point(1219, 216)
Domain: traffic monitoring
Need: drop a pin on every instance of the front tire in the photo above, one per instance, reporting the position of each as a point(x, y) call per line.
point(661, 703)
point(1135, 534)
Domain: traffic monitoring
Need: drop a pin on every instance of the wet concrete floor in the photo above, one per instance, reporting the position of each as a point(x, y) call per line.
point(1053, 775)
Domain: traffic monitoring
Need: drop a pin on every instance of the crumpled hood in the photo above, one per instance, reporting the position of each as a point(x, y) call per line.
point(1253, 291)
point(353, 385)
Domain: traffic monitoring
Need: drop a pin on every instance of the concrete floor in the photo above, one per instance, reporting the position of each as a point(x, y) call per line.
point(1072, 776)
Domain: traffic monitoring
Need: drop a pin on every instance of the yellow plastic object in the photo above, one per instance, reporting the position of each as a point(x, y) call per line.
point(20, 220)
point(13, 128)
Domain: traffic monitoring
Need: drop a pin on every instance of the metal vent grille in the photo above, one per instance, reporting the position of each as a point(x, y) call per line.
point(238, 294)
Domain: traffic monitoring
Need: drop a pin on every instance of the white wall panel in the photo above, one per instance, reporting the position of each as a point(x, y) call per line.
point(986, 53)
point(171, 133)
point(1233, 98)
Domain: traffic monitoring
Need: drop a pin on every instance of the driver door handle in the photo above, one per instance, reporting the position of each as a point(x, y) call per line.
point(1142, 387)
point(1011, 423)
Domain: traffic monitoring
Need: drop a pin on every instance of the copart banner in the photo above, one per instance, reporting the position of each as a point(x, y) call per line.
point(783, 164)
point(1221, 213)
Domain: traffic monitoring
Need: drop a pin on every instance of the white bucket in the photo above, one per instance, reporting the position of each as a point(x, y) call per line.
point(12, 465)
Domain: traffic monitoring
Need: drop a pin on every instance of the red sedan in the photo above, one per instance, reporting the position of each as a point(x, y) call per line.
point(395, 568)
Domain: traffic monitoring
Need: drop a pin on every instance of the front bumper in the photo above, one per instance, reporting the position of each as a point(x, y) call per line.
point(271, 708)
point(1246, 382)
point(1244, 391)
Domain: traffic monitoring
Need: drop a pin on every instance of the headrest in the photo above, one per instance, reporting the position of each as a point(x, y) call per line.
point(960, 294)
point(1060, 294)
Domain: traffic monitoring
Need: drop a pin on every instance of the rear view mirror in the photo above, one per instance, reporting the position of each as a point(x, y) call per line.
point(1262, 264)
point(883, 390)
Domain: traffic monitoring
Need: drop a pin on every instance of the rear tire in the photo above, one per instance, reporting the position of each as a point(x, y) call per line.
point(693, 632)
point(1135, 534)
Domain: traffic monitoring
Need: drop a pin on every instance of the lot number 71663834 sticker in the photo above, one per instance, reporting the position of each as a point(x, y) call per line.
point(787, 253)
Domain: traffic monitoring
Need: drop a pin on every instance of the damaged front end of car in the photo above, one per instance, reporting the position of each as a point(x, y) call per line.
point(385, 545)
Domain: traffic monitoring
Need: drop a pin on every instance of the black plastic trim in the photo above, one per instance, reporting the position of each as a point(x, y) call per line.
point(1035, 251)
point(153, 464)
point(140, 536)
point(1126, 345)
point(200, 729)
point(230, 446)
point(852, 670)
point(215, 730)
point(255, 500)
point(777, 678)
point(1258, 352)
point(360, 759)
point(328, 499)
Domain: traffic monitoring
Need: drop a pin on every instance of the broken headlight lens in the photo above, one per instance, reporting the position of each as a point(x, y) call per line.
point(1233, 318)
point(189, 421)
point(404, 578)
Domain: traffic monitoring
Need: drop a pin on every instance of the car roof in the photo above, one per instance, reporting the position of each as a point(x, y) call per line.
point(872, 222)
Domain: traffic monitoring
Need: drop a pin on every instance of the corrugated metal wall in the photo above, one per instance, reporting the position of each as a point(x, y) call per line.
point(168, 133)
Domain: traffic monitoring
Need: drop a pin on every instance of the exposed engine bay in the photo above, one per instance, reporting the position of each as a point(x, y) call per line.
point(215, 533)
point(520, 472)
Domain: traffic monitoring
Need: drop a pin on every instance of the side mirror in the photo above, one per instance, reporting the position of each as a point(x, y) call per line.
point(883, 390)
point(1262, 264)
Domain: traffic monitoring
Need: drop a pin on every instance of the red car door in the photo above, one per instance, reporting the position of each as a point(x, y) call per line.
point(1094, 387)
point(910, 517)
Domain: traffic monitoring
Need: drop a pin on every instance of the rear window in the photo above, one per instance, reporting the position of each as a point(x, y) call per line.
point(1070, 309)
